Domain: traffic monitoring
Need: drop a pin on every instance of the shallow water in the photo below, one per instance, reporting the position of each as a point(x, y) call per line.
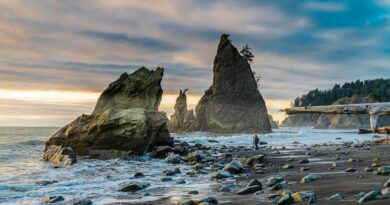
point(21, 166)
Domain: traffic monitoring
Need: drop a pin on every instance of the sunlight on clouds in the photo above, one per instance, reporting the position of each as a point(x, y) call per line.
point(56, 108)
point(273, 107)
point(54, 96)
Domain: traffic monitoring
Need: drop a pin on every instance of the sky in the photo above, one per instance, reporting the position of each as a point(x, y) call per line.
point(57, 56)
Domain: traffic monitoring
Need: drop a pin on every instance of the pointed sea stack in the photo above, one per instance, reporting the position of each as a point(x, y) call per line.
point(125, 121)
point(232, 104)
point(182, 120)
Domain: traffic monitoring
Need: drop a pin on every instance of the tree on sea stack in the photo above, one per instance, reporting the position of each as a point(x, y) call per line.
point(247, 53)
point(233, 103)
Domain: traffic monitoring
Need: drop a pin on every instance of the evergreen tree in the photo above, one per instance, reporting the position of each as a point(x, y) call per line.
point(378, 90)
point(247, 53)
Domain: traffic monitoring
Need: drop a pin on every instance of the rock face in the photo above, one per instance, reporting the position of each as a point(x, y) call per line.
point(125, 119)
point(233, 104)
point(141, 89)
point(60, 155)
point(324, 121)
point(182, 120)
point(274, 124)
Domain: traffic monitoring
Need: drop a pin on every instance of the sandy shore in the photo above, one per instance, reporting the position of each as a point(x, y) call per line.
point(334, 179)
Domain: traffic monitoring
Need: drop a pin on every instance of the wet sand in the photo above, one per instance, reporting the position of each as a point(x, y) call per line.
point(333, 179)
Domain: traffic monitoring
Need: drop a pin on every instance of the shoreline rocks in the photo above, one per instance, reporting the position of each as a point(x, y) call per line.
point(60, 155)
point(126, 120)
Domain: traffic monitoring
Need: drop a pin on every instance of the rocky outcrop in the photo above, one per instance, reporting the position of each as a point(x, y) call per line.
point(232, 104)
point(324, 121)
point(125, 120)
point(60, 155)
point(274, 124)
point(182, 120)
point(141, 89)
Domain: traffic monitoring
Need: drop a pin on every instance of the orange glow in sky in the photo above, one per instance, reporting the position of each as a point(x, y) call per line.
point(19, 105)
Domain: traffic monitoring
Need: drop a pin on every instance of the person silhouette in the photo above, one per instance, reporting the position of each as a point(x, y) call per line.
point(256, 141)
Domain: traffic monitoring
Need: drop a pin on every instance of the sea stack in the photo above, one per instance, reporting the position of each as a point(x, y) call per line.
point(125, 120)
point(182, 120)
point(233, 103)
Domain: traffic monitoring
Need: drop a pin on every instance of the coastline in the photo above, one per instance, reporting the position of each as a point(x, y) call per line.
point(100, 180)
point(333, 180)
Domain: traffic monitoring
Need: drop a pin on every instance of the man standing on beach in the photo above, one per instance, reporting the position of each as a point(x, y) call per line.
point(256, 141)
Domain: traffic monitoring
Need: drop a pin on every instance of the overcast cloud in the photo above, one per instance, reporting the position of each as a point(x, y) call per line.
point(83, 45)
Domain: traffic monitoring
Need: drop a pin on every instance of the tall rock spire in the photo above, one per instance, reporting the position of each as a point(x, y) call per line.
point(182, 120)
point(233, 103)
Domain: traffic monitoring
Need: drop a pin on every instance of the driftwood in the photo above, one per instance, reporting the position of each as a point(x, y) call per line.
point(372, 109)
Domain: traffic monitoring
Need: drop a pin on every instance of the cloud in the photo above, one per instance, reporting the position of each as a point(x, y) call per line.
point(140, 42)
point(325, 6)
point(84, 45)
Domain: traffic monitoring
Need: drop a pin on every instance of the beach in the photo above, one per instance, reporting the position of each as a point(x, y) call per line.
point(100, 180)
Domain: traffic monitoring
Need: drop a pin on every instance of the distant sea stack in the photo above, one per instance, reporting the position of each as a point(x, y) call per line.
point(232, 104)
point(182, 120)
point(125, 120)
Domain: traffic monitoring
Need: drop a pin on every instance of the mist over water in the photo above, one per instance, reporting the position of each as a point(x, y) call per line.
point(21, 165)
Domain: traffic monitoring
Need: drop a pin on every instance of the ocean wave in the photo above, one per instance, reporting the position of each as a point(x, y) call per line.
point(32, 143)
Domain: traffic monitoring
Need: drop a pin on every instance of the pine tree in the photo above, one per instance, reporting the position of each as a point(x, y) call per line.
point(247, 53)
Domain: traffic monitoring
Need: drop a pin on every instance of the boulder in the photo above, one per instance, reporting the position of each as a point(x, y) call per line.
point(125, 120)
point(220, 175)
point(254, 182)
point(387, 183)
point(83, 202)
point(385, 191)
point(182, 120)
point(173, 159)
point(59, 155)
point(188, 202)
point(372, 195)
point(254, 160)
point(233, 103)
point(288, 166)
point(336, 197)
point(162, 151)
point(46, 182)
point(308, 196)
point(133, 187)
point(286, 199)
point(384, 170)
point(195, 156)
point(138, 175)
point(234, 167)
point(310, 178)
point(304, 161)
point(209, 199)
point(271, 181)
point(249, 190)
point(54, 199)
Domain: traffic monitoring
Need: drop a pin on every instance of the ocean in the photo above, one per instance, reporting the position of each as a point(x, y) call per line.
point(22, 167)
